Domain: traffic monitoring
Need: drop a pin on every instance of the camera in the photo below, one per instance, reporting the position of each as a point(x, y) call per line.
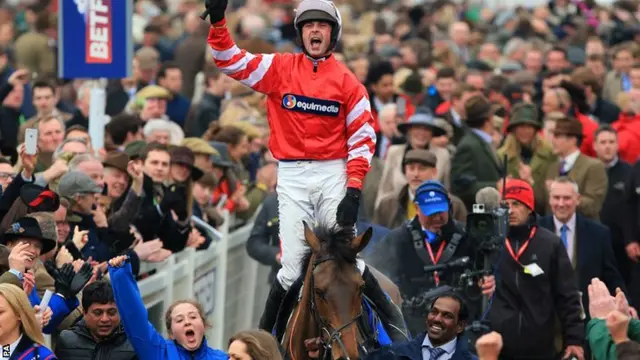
point(487, 230)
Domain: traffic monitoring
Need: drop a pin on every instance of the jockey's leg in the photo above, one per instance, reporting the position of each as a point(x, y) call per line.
point(326, 201)
point(294, 181)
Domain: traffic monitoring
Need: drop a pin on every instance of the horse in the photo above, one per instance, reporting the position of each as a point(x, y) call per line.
point(330, 305)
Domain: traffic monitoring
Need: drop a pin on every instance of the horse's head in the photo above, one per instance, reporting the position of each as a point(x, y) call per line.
point(337, 287)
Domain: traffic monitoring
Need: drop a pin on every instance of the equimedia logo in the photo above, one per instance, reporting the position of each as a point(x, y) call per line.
point(309, 105)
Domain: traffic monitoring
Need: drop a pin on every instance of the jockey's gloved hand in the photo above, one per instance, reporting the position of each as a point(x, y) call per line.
point(347, 213)
point(216, 9)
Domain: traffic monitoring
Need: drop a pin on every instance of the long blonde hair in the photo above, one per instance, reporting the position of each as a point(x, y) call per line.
point(17, 299)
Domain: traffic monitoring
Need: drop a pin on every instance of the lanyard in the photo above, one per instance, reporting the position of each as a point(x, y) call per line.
point(435, 259)
point(523, 248)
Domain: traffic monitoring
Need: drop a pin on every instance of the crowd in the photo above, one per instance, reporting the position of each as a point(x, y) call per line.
point(459, 94)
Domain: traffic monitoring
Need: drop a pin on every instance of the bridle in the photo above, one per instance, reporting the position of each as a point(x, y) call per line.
point(334, 335)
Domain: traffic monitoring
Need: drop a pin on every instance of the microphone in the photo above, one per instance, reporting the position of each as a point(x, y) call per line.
point(489, 197)
point(462, 262)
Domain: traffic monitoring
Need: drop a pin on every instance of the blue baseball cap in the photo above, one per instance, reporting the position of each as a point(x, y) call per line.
point(432, 198)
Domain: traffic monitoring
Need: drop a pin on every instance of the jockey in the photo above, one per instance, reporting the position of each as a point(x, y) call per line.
point(321, 133)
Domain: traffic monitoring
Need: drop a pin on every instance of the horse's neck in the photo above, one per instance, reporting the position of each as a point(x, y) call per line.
point(303, 325)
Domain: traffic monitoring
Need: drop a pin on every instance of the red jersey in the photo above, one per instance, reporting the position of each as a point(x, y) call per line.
point(317, 109)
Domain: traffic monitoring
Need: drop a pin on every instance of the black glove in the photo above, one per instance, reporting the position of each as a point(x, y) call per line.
point(347, 213)
point(215, 10)
point(80, 279)
point(62, 277)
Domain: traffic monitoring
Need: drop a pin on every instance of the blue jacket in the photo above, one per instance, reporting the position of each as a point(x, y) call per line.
point(412, 350)
point(28, 350)
point(60, 307)
point(178, 109)
point(147, 342)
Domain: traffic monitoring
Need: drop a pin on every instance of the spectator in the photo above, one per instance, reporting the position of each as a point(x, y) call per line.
point(475, 164)
point(124, 129)
point(184, 320)
point(444, 338)
point(528, 155)
point(208, 109)
point(263, 244)
point(254, 345)
point(523, 311)
point(20, 328)
point(99, 335)
point(588, 173)
point(170, 77)
point(6, 173)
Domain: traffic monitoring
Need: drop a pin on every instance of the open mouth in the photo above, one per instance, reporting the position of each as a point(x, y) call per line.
point(190, 335)
point(316, 41)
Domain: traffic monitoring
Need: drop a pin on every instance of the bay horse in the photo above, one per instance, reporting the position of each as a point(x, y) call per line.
point(330, 306)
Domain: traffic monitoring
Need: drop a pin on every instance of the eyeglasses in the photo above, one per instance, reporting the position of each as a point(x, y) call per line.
point(4, 175)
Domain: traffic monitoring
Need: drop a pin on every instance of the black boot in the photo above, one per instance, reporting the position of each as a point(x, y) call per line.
point(389, 313)
point(270, 314)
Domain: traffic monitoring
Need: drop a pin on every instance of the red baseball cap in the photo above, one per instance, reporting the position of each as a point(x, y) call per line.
point(521, 191)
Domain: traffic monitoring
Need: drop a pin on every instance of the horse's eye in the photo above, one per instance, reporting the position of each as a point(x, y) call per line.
point(320, 293)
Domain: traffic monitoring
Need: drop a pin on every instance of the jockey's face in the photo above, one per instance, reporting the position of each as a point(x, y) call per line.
point(316, 38)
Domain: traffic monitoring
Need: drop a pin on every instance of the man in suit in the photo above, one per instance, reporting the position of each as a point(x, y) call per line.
point(444, 338)
point(588, 243)
point(618, 80)
point(588, 173)
point(618, 173)
point(475, 164)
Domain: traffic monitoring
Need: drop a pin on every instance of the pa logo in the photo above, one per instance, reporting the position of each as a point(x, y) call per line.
point(289, 101)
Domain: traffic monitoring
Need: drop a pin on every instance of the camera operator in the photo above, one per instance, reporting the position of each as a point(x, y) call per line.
point(536, 283)
point(431, 238)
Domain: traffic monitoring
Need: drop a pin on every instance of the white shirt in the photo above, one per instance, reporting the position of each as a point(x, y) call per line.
point(571, 233)
point(456, 118)
point(449, 347)
point(570, 160)
point(12, 348)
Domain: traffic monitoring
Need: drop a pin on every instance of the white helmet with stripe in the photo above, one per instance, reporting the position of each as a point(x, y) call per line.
point(319, 10)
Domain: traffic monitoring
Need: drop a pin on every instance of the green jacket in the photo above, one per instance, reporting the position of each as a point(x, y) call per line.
point(600, 341)
point(542, 158)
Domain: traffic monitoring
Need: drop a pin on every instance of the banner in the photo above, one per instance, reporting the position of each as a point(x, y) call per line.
point(95, 39)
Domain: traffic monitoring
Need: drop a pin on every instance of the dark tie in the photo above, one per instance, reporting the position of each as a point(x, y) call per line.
point(435, 353)
point(562, 171)
point(563, 235)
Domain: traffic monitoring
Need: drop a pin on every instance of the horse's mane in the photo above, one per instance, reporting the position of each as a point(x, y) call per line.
point(336, 241)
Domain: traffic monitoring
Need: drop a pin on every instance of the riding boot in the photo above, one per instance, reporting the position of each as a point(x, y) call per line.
point(389, 313)
point(272, 306)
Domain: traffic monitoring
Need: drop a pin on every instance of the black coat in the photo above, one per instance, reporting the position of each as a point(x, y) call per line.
point(264, 242)
point(606, 111)
point(524, 308)
point(594, 256)
point(396, 257)
point(77, 343)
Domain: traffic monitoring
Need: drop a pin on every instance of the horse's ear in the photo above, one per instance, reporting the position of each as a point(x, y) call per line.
point(360, 242)
point(311, 238)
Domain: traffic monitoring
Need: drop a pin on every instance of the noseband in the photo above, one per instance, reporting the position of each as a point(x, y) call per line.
point(334, 335)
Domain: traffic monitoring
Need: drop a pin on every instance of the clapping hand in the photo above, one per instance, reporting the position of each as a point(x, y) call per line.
point(618, 325)
point(63, 277)
point(601, 303)
point(81, 278)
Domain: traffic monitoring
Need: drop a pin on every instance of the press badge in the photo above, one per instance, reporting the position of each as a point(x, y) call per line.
point(533, 270)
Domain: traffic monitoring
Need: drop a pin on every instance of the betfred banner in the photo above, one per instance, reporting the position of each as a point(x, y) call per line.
point(95, 38)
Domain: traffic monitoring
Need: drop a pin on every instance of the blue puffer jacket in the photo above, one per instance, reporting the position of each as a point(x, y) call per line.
point(147, 342)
